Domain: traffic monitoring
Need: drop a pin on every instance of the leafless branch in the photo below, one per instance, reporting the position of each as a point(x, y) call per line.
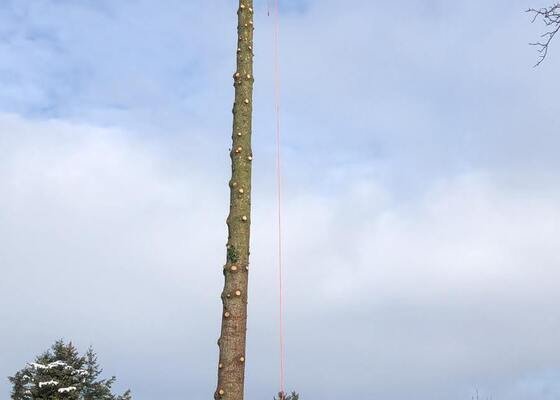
point(551, 18)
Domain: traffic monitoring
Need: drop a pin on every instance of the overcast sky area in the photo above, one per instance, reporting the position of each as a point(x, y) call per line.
point(422, 196)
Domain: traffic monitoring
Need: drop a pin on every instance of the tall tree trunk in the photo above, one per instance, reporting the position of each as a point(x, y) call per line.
point(231, 368)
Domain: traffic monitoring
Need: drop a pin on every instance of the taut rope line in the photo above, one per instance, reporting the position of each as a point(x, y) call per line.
point(279, 191)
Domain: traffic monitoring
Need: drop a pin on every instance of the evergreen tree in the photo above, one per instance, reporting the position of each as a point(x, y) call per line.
point(284, 396)
point(19, 389)
point(61, 373)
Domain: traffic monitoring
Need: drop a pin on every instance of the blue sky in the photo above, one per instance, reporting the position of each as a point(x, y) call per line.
point(421, 174)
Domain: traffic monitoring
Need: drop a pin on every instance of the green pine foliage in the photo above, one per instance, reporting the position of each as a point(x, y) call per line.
point(62, 374)
point(284, 396)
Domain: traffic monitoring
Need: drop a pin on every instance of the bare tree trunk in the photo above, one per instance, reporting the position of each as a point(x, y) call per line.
point(231, 368)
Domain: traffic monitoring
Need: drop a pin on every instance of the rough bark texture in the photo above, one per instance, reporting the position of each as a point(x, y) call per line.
point(231, 368)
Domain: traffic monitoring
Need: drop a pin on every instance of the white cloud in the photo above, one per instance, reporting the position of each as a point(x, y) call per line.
point(422, 211)
point(108, 241)
point(430, 297)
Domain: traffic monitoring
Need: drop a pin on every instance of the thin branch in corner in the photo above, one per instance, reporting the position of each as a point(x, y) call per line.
point(551, 18)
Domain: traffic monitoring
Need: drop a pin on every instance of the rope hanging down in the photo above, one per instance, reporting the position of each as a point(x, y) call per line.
point(279, 190)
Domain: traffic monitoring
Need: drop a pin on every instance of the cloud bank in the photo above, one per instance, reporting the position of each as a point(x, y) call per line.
point(421, 197)
point(104, 243)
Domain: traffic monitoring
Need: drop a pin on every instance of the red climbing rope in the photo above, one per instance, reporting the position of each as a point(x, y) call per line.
point(279, 190)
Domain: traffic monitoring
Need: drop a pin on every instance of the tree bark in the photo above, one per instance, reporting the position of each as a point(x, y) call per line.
point(231, 368)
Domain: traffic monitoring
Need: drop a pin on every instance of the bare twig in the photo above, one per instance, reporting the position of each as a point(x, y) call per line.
point(551, 18)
